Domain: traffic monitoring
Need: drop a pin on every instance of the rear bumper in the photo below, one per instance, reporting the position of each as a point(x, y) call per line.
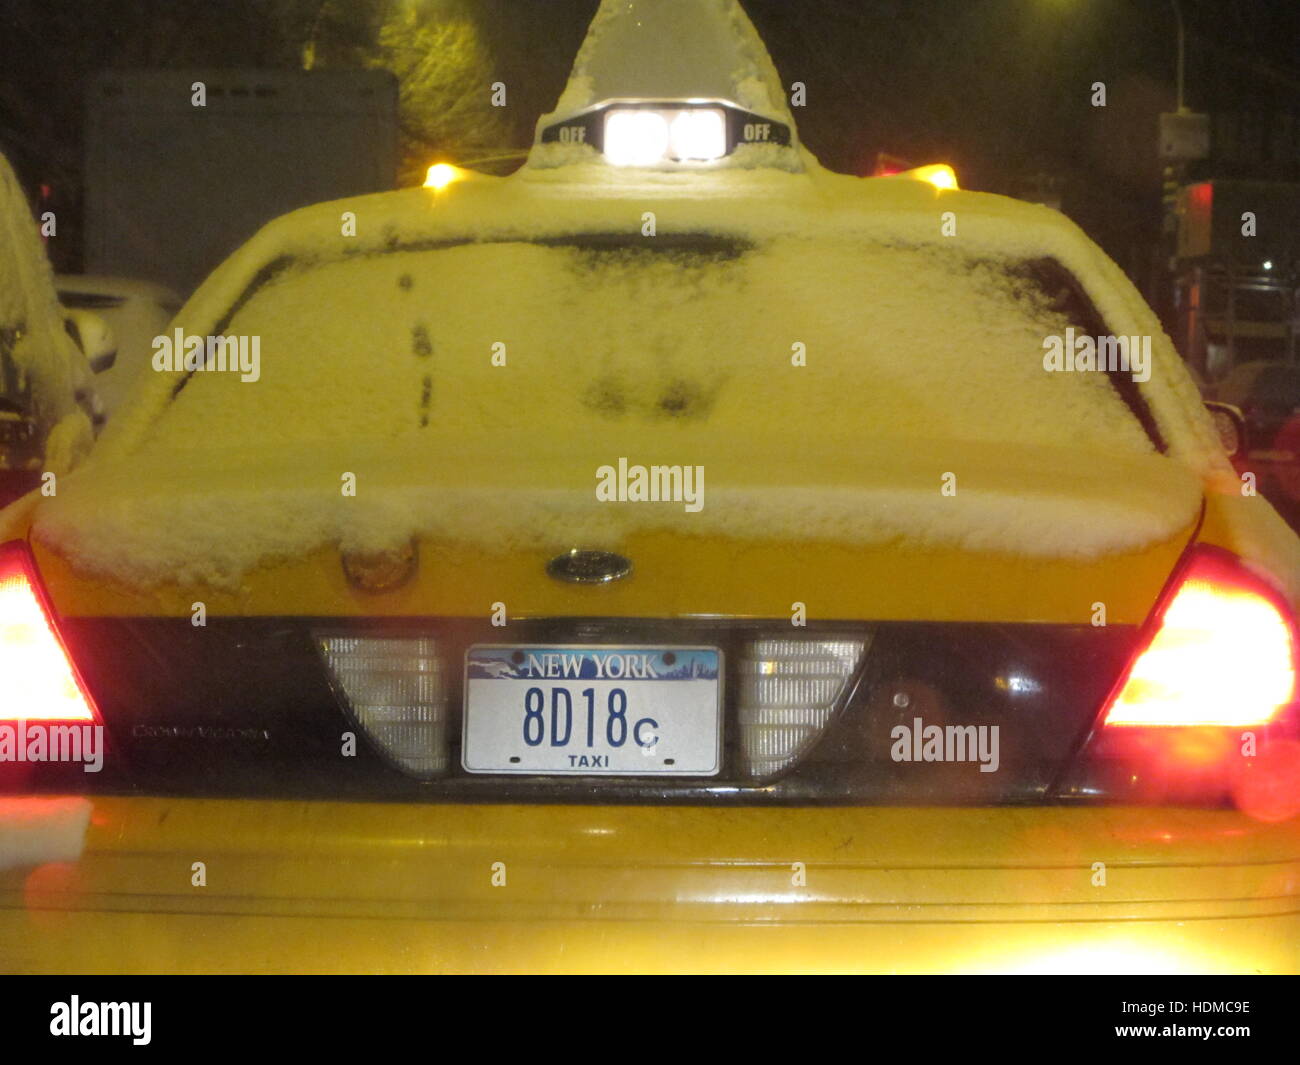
point(326, 887)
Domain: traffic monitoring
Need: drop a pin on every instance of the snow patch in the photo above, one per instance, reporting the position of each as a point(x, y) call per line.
point(211, 524)
point(673, 50)
point(34, 831)
point(68, 442)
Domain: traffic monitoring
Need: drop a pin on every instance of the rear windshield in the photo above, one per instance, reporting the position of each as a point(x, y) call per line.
point(797, 339)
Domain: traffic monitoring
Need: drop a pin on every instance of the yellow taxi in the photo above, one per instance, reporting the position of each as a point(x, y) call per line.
point(670, 557)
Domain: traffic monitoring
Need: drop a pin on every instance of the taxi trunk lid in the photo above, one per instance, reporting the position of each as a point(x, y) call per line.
point(242, 696)
point(851, 533)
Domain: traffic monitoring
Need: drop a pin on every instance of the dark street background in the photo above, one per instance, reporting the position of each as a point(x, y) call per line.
point(998, 88)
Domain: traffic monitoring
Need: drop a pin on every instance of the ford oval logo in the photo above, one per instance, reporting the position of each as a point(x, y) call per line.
point(589, 567)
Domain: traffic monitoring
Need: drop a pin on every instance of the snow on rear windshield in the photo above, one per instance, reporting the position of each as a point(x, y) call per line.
point(473, 394)
point(900, 343)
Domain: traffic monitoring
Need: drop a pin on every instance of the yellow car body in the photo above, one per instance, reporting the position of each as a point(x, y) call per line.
point(344, 887)
point(323, 886)
point(186, 884)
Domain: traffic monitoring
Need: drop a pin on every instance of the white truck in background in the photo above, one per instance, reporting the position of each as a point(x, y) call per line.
point(183, 166)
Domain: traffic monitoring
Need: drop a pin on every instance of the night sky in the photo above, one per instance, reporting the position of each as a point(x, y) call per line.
point(998, 88)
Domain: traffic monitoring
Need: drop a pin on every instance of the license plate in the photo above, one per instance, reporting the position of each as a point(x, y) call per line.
point(592, 710)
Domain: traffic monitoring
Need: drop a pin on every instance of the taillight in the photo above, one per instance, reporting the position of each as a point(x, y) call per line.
point(1222, 653)
point(1206, 710)
point(38, 681)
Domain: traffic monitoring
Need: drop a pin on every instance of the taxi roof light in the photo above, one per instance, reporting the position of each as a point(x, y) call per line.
point(652, 132)
point(644, 136)
point(700, 133)
point(636, 137)
point(1222, 653)
point(40, 682)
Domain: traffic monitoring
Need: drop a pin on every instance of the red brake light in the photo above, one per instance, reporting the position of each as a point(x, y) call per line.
point(40, 682)
point(1223, 652)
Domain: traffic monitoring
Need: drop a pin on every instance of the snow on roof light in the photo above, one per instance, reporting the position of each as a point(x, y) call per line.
point(673, 51)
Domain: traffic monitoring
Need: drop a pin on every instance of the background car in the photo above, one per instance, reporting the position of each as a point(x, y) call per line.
point(134, 311)
point(46, 393)
point(1267, 393)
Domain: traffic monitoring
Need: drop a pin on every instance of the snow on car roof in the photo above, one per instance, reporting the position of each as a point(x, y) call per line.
point(376, 360)
point(761, 204)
